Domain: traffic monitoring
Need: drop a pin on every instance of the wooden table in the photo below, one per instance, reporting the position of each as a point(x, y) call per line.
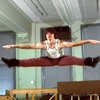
point(79, 88)
point(33, 92)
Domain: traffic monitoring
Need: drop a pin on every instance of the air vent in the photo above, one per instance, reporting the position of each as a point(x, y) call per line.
point(39, 7)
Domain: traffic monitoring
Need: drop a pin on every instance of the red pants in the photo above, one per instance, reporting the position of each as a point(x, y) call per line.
point(46, 61)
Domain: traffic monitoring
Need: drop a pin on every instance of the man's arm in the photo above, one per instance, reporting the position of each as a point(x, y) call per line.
point(72, 44)
point(25, 46)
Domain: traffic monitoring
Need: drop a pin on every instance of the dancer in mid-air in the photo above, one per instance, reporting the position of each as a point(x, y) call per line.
point(53, 48)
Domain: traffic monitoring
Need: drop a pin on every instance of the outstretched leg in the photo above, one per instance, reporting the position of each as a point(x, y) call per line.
point(72, 60)
point(42, 61)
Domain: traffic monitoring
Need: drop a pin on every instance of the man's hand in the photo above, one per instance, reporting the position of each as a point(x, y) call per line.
point(8, 46)
point(94, 41)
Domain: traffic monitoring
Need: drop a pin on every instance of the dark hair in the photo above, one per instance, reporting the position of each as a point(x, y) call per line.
point(51, 30)
point(60, 32)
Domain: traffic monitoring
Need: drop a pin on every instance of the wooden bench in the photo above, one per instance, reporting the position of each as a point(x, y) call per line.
point(32, 91)
point(3, 97)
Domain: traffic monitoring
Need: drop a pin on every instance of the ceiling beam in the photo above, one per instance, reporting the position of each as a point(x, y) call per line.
point(11, 17)
point(65, 10)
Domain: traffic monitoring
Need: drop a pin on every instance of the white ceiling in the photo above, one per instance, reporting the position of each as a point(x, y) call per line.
point(54, 10)
point(1, 24)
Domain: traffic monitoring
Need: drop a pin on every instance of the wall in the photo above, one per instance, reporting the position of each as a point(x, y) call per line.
point(76, 51)
point(25, 77)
